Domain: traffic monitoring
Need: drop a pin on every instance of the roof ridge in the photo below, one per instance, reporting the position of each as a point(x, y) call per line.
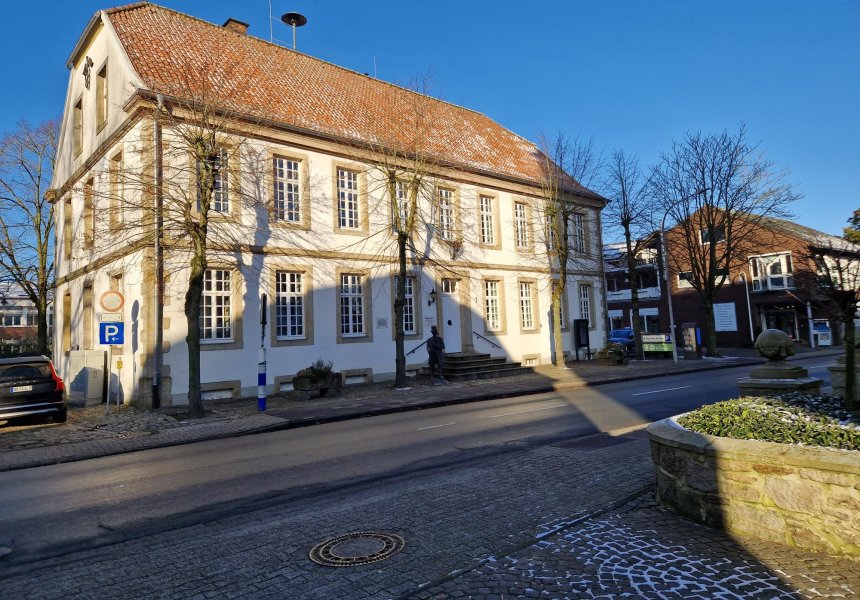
point(254, 38)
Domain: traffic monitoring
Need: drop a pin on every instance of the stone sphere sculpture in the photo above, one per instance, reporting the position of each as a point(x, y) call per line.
point(774, 344)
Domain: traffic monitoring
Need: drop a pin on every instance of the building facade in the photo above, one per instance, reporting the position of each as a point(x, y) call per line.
point(760, 291)
point(301, 213)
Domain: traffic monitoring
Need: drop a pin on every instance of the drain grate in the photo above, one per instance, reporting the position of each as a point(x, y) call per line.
point(594, 442)
point(357, 548)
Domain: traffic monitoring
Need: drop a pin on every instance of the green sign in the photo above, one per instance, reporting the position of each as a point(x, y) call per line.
point(657, 347)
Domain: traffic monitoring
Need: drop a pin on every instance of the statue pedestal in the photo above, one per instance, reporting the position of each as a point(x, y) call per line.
point(777, 377)
point(751, 386)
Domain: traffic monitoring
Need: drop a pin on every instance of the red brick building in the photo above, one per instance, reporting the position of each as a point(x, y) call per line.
point(762, 289)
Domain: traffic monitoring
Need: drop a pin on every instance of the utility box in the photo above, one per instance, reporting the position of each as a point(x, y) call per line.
point(86, 379)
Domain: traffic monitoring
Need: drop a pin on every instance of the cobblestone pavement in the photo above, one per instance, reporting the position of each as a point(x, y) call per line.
point(643, 551)
point(567, 520)
point(450, 518)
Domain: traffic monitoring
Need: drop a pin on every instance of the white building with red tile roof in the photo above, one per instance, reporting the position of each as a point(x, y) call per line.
point(307, 225)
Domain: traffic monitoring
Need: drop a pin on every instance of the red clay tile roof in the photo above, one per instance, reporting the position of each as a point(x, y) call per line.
point(296, 90)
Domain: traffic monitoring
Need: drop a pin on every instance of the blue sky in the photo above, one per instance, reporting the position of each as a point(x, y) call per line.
point(634, 74)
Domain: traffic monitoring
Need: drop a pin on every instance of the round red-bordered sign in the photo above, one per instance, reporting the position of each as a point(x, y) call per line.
point(112, 301)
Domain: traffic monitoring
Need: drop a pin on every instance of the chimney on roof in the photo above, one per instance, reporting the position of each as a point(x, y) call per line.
point(237, 26)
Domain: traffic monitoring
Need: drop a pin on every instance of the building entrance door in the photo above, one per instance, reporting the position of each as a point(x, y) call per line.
point(784, 320)
point(450, 308)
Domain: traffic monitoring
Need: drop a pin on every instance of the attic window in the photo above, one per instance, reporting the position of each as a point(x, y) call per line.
point(101, 97)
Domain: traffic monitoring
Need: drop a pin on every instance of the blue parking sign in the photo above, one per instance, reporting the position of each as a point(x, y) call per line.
point(112, 333)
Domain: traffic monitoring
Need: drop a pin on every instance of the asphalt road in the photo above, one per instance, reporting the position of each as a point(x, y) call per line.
point(54, 510)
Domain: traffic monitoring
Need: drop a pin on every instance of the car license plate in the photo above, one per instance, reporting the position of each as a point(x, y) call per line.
point(22, 388)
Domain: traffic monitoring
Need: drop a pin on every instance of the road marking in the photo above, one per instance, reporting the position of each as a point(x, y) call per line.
point(665, 390)
point(820, 366)
point(521, 412)
point(435, 426)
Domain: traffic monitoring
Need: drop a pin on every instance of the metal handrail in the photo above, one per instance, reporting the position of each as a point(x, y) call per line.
point(416, 348)
point(490, 342)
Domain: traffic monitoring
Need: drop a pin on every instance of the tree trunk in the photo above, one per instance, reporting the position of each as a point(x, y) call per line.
point(399, 303)
point(42, 326)
point(710, 328)
point(850, 360)
point(634, 293)
point(557, 340)
point(193, 300)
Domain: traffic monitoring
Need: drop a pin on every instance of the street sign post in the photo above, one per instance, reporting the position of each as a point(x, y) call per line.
point(111, 331)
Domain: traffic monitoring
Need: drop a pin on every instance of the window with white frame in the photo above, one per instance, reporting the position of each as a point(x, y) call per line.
point(401, 206)
point(409, 307)
point(351, 305)
point(521, 229)
point(492, 301)
point(216, 312)
point(10, 319)
point(585, 302)
point(445, 200)
point(101, 97)
point(117, 190)
point(287, 189)
point(527, 315)
point(772, 272)
point(217, 167)
point(289, 305)
point(685, 279)
point(78, 127)
point(488, 230)
point(578, 222)
point(551, 234)
point(347, 199)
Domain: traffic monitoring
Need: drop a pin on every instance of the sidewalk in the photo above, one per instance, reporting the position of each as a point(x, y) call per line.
point(96, 431)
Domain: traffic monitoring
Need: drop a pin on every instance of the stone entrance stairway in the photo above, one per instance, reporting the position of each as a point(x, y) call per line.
point(460, 366)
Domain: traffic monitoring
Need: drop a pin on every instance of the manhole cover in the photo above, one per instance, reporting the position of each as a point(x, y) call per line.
point(359, 548)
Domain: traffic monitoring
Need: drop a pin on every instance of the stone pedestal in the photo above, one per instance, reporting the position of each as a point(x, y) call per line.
point(776, 376)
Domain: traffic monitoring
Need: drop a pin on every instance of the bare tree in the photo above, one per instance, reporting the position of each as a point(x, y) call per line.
point(27, 216)
point(569, 166)
point(187, 197)
point(836, 281)
point(402, 172)
point(630, 213)
point(717, 188)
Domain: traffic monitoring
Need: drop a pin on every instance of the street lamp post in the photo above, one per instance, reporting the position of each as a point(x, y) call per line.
point(666, 268)
point(749, 306)
point(668, 287)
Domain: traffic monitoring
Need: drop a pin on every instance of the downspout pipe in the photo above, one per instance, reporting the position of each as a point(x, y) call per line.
point(159, 258)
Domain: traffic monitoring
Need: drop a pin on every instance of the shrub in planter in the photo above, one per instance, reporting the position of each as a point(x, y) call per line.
point(317, 380)
point(611, 354)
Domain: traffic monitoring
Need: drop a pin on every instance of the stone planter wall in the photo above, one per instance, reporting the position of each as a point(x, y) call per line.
point(799, 496)
point(837, 378)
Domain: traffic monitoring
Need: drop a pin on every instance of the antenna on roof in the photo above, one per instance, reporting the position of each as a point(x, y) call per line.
point(294, 20)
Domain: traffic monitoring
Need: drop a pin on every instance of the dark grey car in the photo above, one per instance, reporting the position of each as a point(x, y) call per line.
point(30, 386)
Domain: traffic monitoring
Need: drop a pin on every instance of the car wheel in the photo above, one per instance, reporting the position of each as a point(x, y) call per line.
point(62, 415)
